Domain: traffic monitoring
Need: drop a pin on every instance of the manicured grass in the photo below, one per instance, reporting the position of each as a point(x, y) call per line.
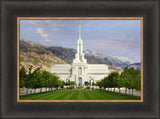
point(79, 95)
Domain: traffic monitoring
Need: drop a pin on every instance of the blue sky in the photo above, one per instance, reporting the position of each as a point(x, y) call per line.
point(114, 37)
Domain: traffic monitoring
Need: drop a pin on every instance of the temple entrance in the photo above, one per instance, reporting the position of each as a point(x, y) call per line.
point(79, 82)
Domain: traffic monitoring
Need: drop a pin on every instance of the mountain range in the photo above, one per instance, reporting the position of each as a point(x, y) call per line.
point(32, 53)
point(118, 61)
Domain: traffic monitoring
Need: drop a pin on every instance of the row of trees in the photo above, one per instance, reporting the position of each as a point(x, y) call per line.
point(129, 78)
point(38, 79)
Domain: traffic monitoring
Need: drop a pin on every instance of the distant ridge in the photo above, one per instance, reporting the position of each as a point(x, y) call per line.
point(32, 53)
point(115, 60)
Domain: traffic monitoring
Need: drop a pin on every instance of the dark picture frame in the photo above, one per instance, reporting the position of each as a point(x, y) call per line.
point(148, 9)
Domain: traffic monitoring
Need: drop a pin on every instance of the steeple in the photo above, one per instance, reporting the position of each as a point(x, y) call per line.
point(79, 57)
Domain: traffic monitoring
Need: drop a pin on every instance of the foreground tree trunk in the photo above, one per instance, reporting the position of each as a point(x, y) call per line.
point(30, 91)
point(26, 91)
point(132, 91)
point(125, 91)
point(114, 89)
point(40, 90)
point(119, 90)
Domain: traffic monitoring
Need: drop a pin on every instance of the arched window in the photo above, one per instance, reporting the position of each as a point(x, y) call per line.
point(79, 71)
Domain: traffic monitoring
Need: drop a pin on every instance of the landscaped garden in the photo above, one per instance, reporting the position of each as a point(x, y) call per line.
point(60, 90)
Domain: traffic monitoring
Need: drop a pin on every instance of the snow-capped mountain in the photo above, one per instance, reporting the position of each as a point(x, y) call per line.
point(116, 60)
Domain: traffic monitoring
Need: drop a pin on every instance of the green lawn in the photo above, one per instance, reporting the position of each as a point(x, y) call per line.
point(79, 95)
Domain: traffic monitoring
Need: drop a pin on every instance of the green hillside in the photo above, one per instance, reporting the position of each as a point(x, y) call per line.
point(36, 55)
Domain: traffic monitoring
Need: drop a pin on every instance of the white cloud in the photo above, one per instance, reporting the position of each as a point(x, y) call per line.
point(44, 23)
point(43, 34)
point(56, 29)
point(29, 29)
point(41, 41)
point(63, 42)
point(32, 22)
point(53, 23)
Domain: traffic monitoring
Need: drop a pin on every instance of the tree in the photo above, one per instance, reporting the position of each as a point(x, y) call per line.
point(103, 84)
point(41, 83)
point(54, 81)
point(131, 79)
point(46, 76)
point(87, 83)
point(124, 78)
point(113, 80)
point(70, 84)
point(109, 82)
point(62, 85)
point(120, 83)
point(36, 81)
point(93, 84)
point(22, 76)
point(106, 83)
point(30, 78)
point(138, 81)
point(99, 83)
point(135, 81)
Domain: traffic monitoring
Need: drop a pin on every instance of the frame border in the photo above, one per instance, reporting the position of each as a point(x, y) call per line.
point(11, 9)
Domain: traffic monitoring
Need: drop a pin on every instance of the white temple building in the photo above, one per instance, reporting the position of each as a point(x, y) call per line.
point(80, 71)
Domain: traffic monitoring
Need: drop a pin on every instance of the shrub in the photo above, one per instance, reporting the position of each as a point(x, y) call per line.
point(71, 87)
point(79, 87)
point(88, 87)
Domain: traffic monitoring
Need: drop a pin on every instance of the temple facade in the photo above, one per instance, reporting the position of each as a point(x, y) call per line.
point(80, 71)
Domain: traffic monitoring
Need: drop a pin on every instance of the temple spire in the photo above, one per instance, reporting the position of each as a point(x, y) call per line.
point(79, 31)
point(79, 57)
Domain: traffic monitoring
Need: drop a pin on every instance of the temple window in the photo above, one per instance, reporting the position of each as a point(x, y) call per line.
point(79, 71)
